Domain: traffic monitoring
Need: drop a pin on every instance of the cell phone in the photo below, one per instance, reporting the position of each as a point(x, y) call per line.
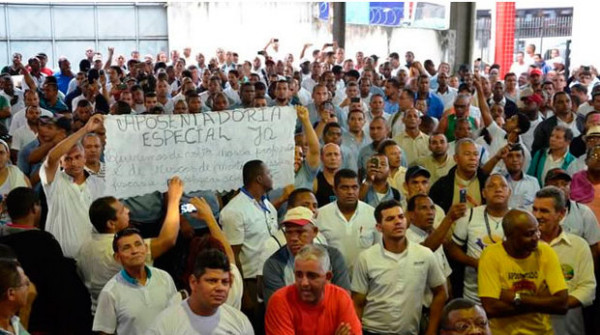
point(275, 40)
point(354, 100)
point(101, 72)
point(375, 162)
point(329, 44)
point(187, 208)
point(463, 195)
point(261, 52)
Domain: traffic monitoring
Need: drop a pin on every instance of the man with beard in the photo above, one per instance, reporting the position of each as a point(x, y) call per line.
point(439, 162)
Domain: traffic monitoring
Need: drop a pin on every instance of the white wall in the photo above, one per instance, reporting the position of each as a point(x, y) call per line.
point(247, 27)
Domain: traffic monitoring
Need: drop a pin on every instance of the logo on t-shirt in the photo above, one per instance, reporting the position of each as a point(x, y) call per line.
point(487, 240)
point(568, 271)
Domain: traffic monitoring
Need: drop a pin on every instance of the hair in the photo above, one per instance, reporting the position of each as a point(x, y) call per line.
point(329, 126)
point(353, 73)
point(523, 123)
point(395, 83)
point(556, 194)
point(101, 211)
point(251, 170)
point(579, 88)
point(20, 201)
point(383, 206)
point(517, 147)
point(454, 305)
point(211, 258)
point(394, 55)
point(509, 75)
point(314, 252)
point(123, 233)
point(294, 195)
point(567, 131)
point(385, 144)
point(9, 275)
point(412, 202)
point(559, 93)
point(460, 142)
point(259, 85)
point(343, 174)
point(149, 95)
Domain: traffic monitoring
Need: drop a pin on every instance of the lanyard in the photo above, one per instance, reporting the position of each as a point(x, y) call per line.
point(487, 225)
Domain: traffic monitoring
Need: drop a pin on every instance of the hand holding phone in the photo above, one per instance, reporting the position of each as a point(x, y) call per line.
point(463, 195)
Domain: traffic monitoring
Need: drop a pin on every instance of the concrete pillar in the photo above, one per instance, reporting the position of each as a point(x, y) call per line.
point(462, 23)
point(339, 23)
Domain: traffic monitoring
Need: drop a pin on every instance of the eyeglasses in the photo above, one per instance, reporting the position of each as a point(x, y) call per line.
point(463, 326)
point(461, 106)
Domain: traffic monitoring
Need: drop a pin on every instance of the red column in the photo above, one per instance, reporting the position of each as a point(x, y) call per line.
point(505, 35)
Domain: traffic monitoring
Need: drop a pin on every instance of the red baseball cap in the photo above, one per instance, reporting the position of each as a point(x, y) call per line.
point(536, 71)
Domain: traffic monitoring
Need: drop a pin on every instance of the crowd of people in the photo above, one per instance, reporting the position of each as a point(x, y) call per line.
point(425, 200)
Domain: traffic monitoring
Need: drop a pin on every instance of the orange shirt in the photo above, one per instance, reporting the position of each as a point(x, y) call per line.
point(287, 314)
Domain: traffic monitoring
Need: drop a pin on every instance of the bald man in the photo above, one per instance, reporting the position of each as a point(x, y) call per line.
point(520, 280)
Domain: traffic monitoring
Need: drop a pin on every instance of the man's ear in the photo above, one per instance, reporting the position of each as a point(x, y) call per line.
point(329, 275)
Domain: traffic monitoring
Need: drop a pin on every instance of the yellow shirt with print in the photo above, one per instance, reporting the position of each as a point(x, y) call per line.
point(539, 272)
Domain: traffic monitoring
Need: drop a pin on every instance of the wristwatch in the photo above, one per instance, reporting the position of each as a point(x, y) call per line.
point(517, 299)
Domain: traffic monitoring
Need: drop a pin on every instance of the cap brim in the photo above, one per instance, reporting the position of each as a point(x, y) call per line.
point(299, 222)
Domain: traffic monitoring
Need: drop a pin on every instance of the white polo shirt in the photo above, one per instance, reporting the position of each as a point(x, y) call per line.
point(248, 223)
point(394, 286)
point(348, 236)
point(126, 307)
point(68, 204)
point(577, 264)
point(477, 234)
point(418, 235)
point(19, 119)
point(581, 221)
point(522, 192)
point(181, 320)
point(97, 264)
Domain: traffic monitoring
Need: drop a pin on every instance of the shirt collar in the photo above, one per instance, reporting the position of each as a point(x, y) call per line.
point(261, 203)
point(418, 230)
point(132, 280)
point(561, 237)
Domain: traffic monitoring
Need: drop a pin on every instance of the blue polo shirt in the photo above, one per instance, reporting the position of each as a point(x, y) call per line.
point(435, 105)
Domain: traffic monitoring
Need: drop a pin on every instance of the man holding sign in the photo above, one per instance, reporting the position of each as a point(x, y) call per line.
point(70, 191)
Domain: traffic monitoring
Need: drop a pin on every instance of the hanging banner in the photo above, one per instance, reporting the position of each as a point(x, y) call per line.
point(206, 150)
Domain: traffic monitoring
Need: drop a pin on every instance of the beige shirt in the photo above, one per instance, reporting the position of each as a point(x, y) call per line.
point(413, 148)
point(436, 169)
point(473, 191)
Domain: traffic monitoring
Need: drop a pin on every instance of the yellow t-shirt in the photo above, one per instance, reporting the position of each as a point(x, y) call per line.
point(532, 275)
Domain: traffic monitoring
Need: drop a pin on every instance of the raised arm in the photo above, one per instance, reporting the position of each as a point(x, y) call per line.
point(170, 229)
point(306, 46)
point(50, 165)
point(313, 155)
point(486, 115)
point(108, 63)
point(488, 167)
point(438, 236)
point(28, 79)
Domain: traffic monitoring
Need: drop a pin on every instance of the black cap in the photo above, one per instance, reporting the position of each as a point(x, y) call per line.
point(415, 171)
point(557, 173)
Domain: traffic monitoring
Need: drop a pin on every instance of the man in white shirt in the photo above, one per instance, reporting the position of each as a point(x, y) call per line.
point(446, 93)
point(389, 279)
point(574, 255)
point(205, 311)
point(248, 220)
point(110, 216)
point(347, 223)
point(19, 120)
point(133, 298)
point(70, 191)
point(28, 132)
point(480, 227)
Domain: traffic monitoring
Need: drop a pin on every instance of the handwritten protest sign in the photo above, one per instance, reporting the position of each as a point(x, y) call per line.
point(206, 150)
